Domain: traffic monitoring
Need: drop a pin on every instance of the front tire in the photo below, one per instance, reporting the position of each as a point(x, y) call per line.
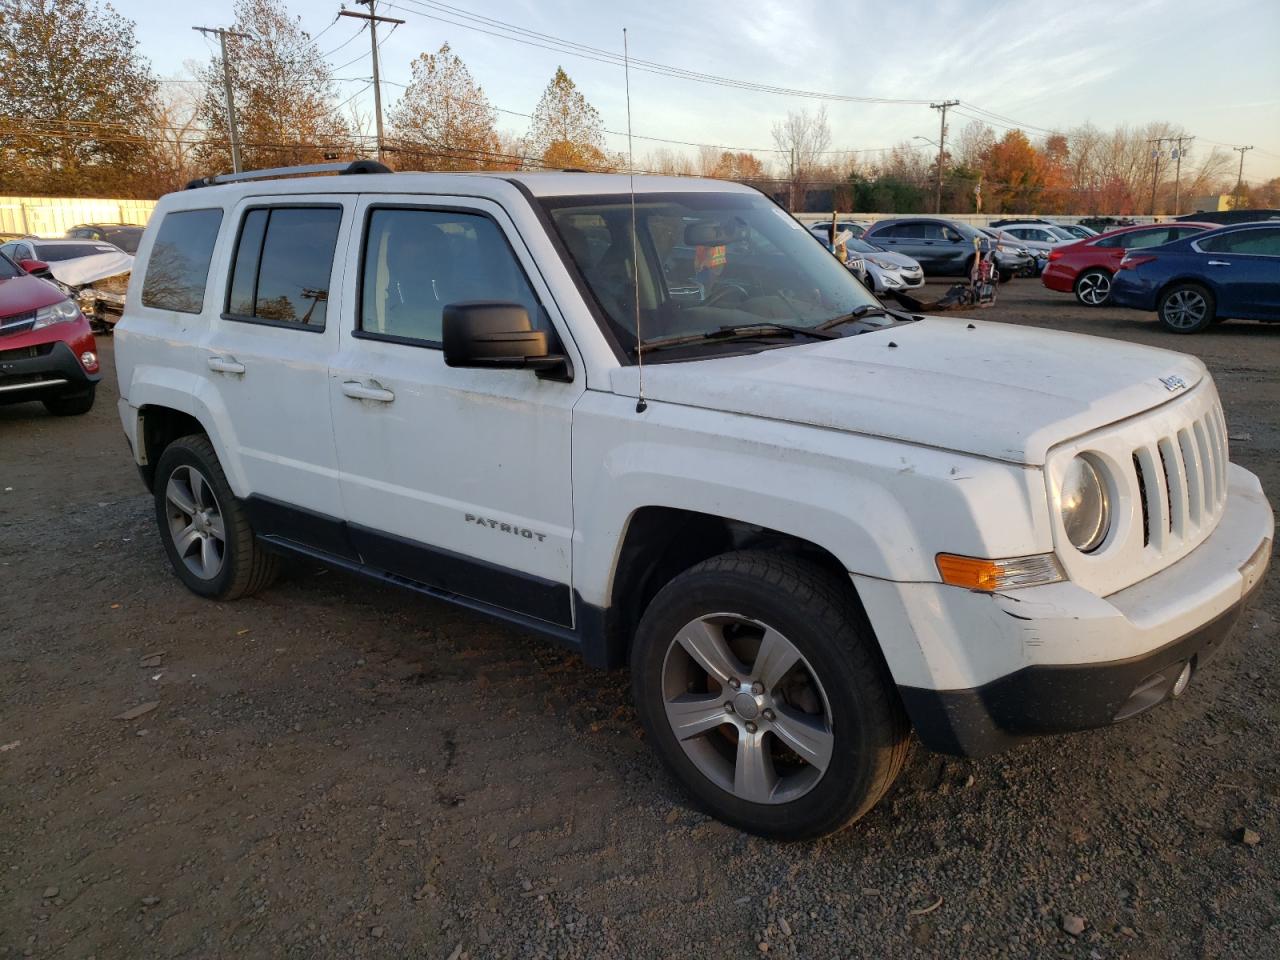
point(1093, 288)
point(811, 736)
point(205, 529)
point(73, 405)
point(1186, 308)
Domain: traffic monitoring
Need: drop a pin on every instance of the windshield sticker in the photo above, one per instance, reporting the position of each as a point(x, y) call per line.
point(791, 221)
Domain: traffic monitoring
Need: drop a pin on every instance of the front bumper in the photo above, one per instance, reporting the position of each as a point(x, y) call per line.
point(980, 671)
point(33, 367)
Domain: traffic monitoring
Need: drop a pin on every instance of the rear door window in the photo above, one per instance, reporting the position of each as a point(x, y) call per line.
point(178, 268)
point(1264, 242)
point(1146, 238)
point(282, 266)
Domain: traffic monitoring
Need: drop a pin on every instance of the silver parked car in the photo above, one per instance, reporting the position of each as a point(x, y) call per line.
point(881, 270)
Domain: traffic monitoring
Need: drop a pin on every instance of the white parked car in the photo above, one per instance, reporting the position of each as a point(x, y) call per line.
point(809, 525)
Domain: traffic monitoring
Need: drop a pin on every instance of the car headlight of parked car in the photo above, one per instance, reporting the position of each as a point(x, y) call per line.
point(883, 264)
point(59, 312)
point(1085, 505)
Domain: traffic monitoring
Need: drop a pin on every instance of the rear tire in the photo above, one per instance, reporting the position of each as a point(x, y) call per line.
point(205, 529)
point(821, 735)
point(1093, 288)
point(74, 404)
point(1186, 308)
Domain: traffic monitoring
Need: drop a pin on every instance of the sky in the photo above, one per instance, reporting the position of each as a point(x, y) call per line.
point(1212, 68)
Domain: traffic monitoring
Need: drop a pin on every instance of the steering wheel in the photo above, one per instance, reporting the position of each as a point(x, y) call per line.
point(723, 289)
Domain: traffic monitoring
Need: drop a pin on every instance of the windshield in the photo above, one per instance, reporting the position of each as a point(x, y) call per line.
point(1062, 233)
point(53, 252)
point(707, 261)
point(861, 246)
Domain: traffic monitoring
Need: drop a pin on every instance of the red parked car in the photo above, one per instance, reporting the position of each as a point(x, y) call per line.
point(47, 351)
point(1086, 267)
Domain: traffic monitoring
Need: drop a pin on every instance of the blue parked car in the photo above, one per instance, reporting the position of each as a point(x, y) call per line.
point(1190, 283)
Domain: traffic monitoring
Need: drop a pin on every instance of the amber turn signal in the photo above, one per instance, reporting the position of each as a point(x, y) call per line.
point(976, 573)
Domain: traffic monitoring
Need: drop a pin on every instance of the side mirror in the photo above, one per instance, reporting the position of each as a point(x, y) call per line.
point(498, 335)
point(37, 268)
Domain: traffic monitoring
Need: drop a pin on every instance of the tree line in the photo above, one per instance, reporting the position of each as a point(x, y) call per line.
point(82, 114)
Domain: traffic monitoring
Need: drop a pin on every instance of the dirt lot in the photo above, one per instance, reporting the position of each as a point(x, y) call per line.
point(335, 769)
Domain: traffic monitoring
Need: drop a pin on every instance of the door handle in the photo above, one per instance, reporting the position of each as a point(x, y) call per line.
point(366, 391)
point(226, 365)
point(1219, 263)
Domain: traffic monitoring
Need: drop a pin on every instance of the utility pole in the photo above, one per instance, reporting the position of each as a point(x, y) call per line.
point(1235, 204)
point(233, 129)
point(374, 20)
point(942, 139)
point(1177, 176)
point(1155, 174)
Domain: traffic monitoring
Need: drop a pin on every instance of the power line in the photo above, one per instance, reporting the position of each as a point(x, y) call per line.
point(507, 31)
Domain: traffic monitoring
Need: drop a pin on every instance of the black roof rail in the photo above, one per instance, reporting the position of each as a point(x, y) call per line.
point(341, 167)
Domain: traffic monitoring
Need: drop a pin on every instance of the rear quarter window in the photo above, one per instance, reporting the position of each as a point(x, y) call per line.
point(178, 268)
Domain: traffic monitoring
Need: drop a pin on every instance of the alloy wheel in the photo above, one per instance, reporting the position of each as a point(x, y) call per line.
point(1095, 288)
point(195, 522)
point(1184, 310)
point(747, 708)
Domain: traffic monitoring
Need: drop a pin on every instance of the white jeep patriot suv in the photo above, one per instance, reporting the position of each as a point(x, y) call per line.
point(668, 428)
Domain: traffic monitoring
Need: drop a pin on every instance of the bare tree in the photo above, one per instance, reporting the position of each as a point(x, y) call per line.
point(973, 144)
point(176, 134)
point(802, 140)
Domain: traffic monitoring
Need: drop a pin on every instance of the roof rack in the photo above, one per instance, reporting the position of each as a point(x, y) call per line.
point(340, 167)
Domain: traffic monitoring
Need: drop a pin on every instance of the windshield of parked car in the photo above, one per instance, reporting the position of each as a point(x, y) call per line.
point(8, 269)
point(706, 261)
point(53, 252)
point(126, 238)
point(1062, 233)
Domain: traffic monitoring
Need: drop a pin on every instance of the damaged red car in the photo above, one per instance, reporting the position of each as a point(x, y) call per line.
point(47, 351)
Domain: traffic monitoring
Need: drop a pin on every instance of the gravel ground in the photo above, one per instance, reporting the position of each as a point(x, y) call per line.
point(334, 769)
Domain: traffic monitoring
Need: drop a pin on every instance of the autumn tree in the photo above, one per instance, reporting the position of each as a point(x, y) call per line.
point(1013, 175)
point(444, 115)
point(566, 130)
point(75, 101)
point(737, 165)
point(284, 94)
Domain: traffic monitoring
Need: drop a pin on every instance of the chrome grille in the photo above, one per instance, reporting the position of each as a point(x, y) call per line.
point(1182, 480)
point(17, 323)
point(1169, 473)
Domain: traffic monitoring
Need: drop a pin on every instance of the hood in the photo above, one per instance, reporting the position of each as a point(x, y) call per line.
point(26, 293)
point(991, 389)
point(899, 259)
point(82, 270)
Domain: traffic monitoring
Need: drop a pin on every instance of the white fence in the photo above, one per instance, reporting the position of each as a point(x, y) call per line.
point(53, 216)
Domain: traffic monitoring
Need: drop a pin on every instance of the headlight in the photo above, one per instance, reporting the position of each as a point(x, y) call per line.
point(1085, 506)
point(883, 264)
point(56, 313)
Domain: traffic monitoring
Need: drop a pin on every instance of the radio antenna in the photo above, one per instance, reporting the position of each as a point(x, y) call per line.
point(641, 404)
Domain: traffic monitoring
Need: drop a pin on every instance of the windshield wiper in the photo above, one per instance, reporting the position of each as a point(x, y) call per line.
point(738, 331)
point(862, 312)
